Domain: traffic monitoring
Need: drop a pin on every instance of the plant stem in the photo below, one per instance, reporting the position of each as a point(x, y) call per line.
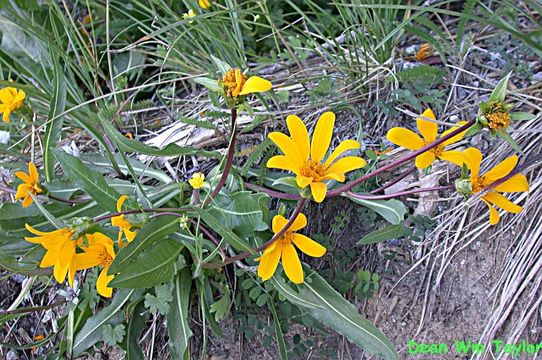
point(272, 193)
point(400, 161)
point(398, 194)
point(32, 309)
point(277, 236)
point(394, 181)
point(168, 211)
point(229, 160)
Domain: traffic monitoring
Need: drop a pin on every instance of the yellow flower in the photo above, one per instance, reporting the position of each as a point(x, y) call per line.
point(237, 84)
point(429, 130)
point(284, 248)
point(11, 99)
point(517, 183)
point(197, 181)
point(99, 252)
point(204, 4)
point(123, 224)
point(29, 186)
point(304, 157)
point(60, 253)
point(190, 14)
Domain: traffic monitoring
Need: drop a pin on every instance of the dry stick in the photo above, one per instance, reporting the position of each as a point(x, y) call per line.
point(277, 236)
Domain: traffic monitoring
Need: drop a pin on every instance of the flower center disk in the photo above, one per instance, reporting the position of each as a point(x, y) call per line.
point(313, 170)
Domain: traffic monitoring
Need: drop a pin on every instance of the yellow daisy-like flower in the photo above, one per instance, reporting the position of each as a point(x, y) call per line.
point(190, 14)
point(29, 186)
point(11, 99)
point(61, 249)
point(429, 130)
point(204, 4)
point(305, 158)
point(517, 183)
point(283, 248)
point(237, 84)
point(124, 225)
point(99, 252)
point(197, 181)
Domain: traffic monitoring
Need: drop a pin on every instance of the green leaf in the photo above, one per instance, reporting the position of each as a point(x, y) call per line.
point(177, 318)
point(136, 324)
point(113, 335)
point(499, 93)
point(218, 225)
point(278, 331)
point(157, 229)
point(222, 66)
point(152, 267)
point(91, 332)
point(92, 182)
point(54, 124)
point(126, 144)
point(322, 302)
point(389, 232)
point(392, 210)
point(159, 303)
point(289, 181)
point(241, 212)
point(503, 134)
point(210, 84)
point(222, 306)
point(521, 116)
point(474, 129)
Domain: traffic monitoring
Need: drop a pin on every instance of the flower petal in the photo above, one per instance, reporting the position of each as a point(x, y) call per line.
point(455, 138)
point(33, 172)
point(300, 135)
point(318, 190)
point(321, 138)
point(282, 162)
point(268, 263)
point(346, 164)
point(5, 116)
point(405, 138)
point(278, 223)
point(474, 159)
point(308, 246)
point(121, 201)
point(255, 84)
point(517, 183)
point(428, 129)
point(343, 146)
point(102, 283)
point(425, 159)
point(502, 202)
point(87, 260)
point(494, 216)
point(288, 147)
point(340, 177)
point(303, 181)
point(27, 201)
point(501, 169)
point(455, 157)
point(24, 177)
point(130, 234)
point(292, 264)
point(299, 223)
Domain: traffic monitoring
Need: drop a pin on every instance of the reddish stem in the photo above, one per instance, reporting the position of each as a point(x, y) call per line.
point(273, 193)
point(277, 236)
point(394, 181)
point(400, 161)
point(398, 194)
point(161, 210)
point(229, 160)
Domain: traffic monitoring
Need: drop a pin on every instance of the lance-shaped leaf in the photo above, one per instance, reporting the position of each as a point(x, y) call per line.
point(392, 210)
point(321, 301)
point(92, 182)
point(499, 93)
point(177, 318)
